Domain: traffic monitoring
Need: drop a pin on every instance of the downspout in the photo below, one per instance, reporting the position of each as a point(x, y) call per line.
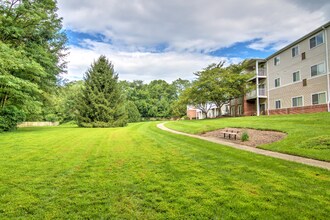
point(257, 82)
point(327, 65)
point(267, 87)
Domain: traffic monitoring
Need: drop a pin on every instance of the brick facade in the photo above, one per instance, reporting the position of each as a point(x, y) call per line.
point(249, 108)
point(300, 110)
point(191, 113)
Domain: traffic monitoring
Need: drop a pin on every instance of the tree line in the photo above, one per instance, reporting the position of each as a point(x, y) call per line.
point(101, 100)
point(32, 50)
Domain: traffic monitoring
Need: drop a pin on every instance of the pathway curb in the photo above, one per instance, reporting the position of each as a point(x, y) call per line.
point(297, 159)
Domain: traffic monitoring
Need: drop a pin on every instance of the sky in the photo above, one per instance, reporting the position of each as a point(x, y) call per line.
point(171, 39)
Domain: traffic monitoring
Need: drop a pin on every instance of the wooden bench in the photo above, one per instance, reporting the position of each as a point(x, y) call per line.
point(230, 133)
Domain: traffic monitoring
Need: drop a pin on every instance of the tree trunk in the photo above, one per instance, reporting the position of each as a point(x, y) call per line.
point(3, 101)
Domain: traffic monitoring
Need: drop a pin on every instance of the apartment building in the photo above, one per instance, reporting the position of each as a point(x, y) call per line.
point(298, 75)
point(293, 80)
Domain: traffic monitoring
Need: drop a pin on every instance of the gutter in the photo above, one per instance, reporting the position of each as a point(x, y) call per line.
point(327, 65)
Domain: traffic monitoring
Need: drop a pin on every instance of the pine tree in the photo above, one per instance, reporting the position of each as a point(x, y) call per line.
point(101, 103)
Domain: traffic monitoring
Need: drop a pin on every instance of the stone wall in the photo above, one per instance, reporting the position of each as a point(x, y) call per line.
point(37, 124)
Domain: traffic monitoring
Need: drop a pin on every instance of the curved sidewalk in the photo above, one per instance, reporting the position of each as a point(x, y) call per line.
point(303, 160)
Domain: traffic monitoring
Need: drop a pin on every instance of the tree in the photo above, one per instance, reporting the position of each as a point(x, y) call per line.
point(198, 96)
point(138, 93)
point(180, 85)
point(101, 103)
point(227, 83)
point(132, 112)
point(158, 98)
point(32, 50)
point(218, 84)
point(178, 106)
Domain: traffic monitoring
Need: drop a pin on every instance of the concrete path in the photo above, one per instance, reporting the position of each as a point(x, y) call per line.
point(303, 160)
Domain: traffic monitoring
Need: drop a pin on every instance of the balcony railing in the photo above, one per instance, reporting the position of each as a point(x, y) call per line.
point(262, 92)
point(262, 72)
point(253, 94)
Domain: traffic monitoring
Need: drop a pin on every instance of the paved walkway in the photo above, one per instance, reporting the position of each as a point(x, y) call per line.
point(303, 160)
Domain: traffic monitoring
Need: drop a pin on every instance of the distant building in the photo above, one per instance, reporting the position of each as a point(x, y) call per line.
point(214, 111)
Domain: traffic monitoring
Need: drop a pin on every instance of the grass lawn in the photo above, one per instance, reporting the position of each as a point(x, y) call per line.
point(308, 134)
point(141, 172)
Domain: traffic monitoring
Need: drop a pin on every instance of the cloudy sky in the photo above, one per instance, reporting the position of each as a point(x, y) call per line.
point(168, 39)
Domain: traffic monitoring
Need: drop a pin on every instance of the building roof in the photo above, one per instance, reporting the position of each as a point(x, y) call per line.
point(299, 40)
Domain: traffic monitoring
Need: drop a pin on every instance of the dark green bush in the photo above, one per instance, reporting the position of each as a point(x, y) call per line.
point(9, 117)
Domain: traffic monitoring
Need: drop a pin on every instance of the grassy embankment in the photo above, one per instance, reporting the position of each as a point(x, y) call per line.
point(308, 134)
point(145, 173)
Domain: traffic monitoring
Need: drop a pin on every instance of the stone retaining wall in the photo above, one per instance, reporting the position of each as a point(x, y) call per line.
point(37, 124)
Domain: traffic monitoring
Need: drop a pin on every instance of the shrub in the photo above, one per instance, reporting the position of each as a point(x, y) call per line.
point(132, 112)
point(185, 118)
point(9, 117)
point(245, 136)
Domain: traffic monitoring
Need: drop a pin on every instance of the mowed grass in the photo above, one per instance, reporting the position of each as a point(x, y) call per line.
point(141, 172)
point(308, 134)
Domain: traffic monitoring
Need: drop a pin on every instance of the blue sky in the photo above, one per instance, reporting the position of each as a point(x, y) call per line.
point(159, 39)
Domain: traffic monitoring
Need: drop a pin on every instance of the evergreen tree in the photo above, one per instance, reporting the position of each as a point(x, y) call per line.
point(101, 103)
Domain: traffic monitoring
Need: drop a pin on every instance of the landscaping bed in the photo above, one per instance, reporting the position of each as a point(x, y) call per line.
point(256, 137)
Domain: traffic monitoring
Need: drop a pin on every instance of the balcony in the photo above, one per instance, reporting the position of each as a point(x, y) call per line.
point(253, 94)
point(262, 72)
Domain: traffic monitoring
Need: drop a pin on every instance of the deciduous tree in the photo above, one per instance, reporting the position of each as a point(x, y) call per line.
point(32, 51)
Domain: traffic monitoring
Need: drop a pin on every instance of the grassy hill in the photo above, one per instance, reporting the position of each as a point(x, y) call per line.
point(308, 134)
point(146, 173)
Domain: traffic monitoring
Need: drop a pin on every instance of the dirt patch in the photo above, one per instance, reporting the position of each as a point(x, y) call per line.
point(256, 137)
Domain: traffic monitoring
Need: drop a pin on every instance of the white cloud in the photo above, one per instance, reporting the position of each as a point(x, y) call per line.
point(196, 24)
point(144, 66)
point(189, 29)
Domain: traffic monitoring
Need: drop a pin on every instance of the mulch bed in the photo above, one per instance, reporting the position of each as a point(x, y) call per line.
point(256, 137)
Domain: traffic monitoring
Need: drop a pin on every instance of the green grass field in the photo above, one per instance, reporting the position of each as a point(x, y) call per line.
point(308, 134)
point(141, 172)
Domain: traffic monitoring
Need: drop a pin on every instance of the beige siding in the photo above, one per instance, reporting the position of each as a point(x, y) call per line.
point(286, 93)
point(288, 64)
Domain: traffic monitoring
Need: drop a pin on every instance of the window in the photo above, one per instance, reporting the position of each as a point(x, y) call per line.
point(276, 61)
point(277, 82)
point(278, 104)
point(295, 51)
point(297, 101)
point(240, 112)
point(316, 40)
point(296, 76)
point(318, 98)
point(317, 69)
point(232, 111)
